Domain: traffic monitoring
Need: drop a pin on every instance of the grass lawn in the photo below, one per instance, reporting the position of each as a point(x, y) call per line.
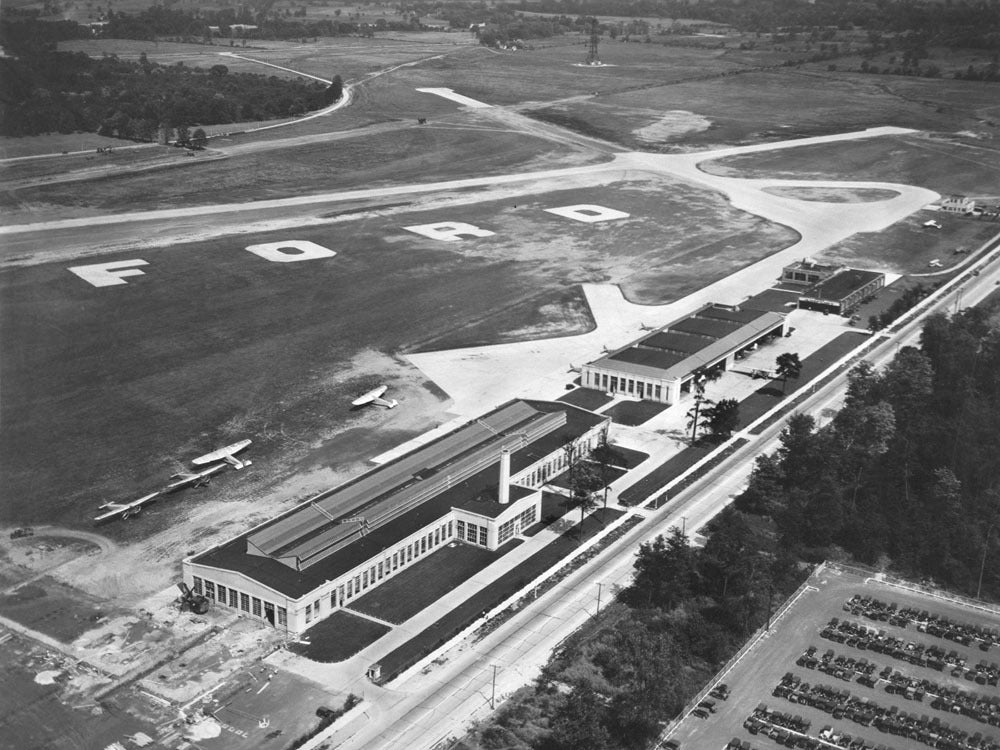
point(769, 395)
point(340, 636)
point(552, 510)
point(398, 599)
point(562, 480)
point(585, 398)
point(489, 596)
point(664, 473)
point(634, 413)
point(629, 458)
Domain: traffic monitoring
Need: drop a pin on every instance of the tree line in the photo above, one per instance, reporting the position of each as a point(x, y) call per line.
point(45, 91)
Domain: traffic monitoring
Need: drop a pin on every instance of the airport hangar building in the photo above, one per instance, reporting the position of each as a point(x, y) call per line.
point(662, 365)
point(480, 485)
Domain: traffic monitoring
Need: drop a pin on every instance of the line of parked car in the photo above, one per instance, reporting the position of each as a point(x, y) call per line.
point(864, 637)
point(942, 697)
point(926, 622)
point(841, 704)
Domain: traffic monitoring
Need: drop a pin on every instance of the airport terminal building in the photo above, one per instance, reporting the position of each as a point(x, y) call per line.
point(661, 365)
point(480, 485)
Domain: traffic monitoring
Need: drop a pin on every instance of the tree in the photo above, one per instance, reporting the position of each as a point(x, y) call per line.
point(198, 138)
point(579, 723)
point(584, 480)
point(335, 90)
point(699, 381)
point(606, 458)
point(789, 366)
point(664, 572)
point(723, 417)
point(183, 135)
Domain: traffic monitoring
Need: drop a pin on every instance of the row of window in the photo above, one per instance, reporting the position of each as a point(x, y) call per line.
point(515, 525)
point(554, 466)
point(368, 578)
point(473, 533)
point(640, 388)
point(251, 605)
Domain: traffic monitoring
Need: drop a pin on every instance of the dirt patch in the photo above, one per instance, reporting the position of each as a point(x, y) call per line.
point(672, 125)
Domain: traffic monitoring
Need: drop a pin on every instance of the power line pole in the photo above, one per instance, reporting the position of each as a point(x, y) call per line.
point(599, 586)
point(592, 58)
point(493, 694)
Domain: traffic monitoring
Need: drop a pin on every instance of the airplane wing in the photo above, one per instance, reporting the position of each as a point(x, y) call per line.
point(371, 397)
point(124, 510)
point(223, 454)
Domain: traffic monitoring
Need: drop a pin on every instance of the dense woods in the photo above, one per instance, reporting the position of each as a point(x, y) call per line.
point(905, 477)
point(45, 91)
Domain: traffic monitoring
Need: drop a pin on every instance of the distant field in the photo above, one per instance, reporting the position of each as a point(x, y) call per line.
point(942, 165)
point(755, 106)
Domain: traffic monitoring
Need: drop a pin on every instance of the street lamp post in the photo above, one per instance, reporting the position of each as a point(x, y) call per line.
point(599, 586)
point(493, 693)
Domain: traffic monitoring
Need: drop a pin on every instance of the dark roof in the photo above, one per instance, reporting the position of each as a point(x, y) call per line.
point(737, 314)
point(468, 494)
point(707, 327)
point(841, 285)
point(647, 357)
point(681, 343)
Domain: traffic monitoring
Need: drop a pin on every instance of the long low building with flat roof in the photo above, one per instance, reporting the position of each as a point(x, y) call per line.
point(479, 485)
point(661, 365)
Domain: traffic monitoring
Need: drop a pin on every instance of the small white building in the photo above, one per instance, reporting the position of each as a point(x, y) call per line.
point(958, 204)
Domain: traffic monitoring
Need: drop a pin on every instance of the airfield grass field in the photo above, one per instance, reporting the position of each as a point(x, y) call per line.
point(942, 165)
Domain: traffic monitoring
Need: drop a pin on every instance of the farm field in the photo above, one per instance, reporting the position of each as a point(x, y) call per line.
point(756, 674)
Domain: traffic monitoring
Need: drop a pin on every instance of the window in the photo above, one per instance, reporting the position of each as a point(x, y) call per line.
point(470, 534)
point(333, 599)
point(316, 607)
point(340, 594)
point(256, 607)
point(380, 571)
point(209, 589)
point(437, 536)
point(614, 384)
point(460, 525)
point(244, 602)
point(357, 584)
point(482, 536)
point(449, 528)
point(222, 594)
point(197, 585)
point(604, 381)
point(233, 600)
point(371, 576)
point(423, 544)
point(283, 617)
point(409, 552)
point(657, 393)
point(350, 589)
point(395, 560)
point(309, 613)
point(364, 580)
point(506, 530)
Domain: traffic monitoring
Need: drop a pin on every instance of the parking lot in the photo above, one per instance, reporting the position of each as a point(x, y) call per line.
point(864, 664)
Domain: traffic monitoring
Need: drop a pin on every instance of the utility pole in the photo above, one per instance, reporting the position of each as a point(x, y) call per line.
point(592, 58)
point(493, 694)
point(684, 525)
point(599, 585)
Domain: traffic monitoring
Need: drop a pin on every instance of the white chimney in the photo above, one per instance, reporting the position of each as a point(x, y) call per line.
point(503, 491)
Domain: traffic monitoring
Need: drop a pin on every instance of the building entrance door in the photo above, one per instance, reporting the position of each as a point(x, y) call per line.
point(269, 612)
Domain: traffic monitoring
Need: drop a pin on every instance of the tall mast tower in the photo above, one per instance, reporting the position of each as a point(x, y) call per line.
point(592, 58)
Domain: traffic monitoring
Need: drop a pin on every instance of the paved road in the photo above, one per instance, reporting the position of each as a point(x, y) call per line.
point(425, 709)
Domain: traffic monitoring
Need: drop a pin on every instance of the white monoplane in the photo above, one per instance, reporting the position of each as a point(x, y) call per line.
point(225, 454)
point(197, 479)
point(124, 510)
point(375, 397)
point(931, 224)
